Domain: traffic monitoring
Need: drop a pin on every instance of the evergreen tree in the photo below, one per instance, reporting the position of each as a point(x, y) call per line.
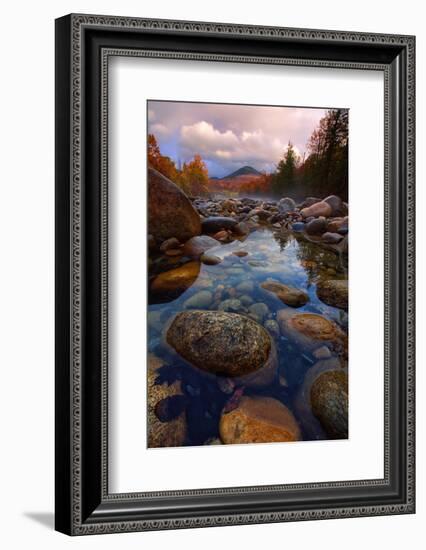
point(284, 179)
point(326, 169)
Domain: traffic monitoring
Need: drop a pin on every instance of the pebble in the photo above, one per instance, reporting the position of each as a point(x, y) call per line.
point(322, 353)
point(259, 311)
point(200, 300)
point(231, 305)
point(273, 328)
point(210, 259)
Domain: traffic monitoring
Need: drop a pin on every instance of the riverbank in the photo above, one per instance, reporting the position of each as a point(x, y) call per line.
point(247, 320)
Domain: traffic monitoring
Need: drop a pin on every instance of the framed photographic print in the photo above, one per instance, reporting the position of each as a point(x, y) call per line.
point(234, 274)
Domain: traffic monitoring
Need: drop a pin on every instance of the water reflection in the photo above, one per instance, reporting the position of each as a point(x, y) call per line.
point(234, 285)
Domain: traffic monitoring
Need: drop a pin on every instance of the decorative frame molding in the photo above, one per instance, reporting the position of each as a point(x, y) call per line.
point(84, 505)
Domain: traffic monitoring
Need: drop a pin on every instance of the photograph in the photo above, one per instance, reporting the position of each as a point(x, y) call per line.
point(247, 244)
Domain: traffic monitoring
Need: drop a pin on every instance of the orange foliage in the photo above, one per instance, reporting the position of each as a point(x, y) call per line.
point(163, 164)
point(248, 185)
point(192, 179)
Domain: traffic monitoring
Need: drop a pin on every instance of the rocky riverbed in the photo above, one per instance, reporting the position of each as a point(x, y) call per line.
point(247, 318)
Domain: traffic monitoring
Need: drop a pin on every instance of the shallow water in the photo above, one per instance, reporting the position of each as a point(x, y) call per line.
point(278, 255)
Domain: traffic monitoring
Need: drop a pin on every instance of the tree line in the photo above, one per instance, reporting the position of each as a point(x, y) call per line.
point(323, 171)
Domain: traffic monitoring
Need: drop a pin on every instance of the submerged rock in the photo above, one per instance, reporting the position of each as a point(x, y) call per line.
point(245, 287)
point(240, 253)
point(221, 343)
point(318, 209)
point(231, 305)
point(217, 223)
point(322, 352)
point(273, 328)
point(334, 293)
point(170, 212)
point(259, 311)
point(200, 300)
point(308, 330)
point(311, 425)
point(329, 400)
point(246, 300)
point(164, 400)
point(288, 295)
point(258, 420)
point(174, 282)
point(196, 246)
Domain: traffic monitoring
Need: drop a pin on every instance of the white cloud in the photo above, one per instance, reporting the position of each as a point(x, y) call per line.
point(159, 128)
point(248, 147)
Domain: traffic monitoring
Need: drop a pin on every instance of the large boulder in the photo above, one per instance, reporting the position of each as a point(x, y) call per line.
point(321, 208)
point(334, 293)
point(170, 212)
point(287, 294)
point(329, 400)
point(219, 342)
point(162, 433)
point(258, 420)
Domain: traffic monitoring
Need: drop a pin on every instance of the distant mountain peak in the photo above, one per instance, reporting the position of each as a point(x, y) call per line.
point(244, 171)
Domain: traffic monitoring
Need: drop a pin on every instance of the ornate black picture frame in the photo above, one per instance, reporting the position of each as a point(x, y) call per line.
point(84, 44)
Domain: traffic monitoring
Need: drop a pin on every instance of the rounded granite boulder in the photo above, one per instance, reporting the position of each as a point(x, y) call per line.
point(160, 433)
point(329, 401)
point(258, 420)
point(170, 212)
point(334, 293)
point(219, 342)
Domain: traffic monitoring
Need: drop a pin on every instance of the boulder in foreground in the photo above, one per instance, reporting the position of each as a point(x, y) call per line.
point(258, 420)
point(219, 342)
point(170, 212)
point(163, 434)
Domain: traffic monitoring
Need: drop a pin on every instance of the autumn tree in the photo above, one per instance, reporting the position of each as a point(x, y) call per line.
point(159, 162)
point(195, 176)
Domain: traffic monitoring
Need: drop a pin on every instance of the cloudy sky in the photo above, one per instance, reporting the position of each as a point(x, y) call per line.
point(230, 136)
